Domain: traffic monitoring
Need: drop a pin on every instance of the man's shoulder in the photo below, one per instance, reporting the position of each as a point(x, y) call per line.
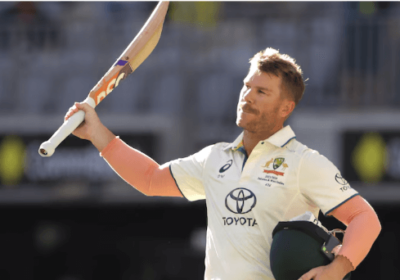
point(309, 156)
point(214, 148)
point(298, 148)
point(303, 151)
point(220, 146)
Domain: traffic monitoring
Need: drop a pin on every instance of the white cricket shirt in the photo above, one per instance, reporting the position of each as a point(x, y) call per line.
point(247, 197)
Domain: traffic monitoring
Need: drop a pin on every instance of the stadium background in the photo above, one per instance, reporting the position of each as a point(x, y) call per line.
point(69, 217)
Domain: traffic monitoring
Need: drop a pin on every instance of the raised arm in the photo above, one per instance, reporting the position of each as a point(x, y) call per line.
point(134, 167)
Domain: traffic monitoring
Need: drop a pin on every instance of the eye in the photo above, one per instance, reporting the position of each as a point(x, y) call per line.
point(260, 91)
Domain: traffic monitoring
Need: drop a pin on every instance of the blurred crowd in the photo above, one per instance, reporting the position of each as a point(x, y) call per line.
point(53, 53)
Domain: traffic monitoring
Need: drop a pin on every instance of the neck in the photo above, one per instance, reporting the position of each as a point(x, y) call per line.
point(251, 139)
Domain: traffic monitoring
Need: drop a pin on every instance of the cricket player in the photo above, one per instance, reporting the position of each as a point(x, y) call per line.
point(249, 185)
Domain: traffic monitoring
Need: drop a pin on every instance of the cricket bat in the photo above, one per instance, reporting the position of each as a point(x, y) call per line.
point(134, 55)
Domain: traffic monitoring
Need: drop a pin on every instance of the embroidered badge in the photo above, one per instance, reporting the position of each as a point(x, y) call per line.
point(278, 162)
point(278, 165)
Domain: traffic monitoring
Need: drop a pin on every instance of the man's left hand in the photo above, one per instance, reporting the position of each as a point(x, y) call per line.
point(322, 273)
point(336, 270)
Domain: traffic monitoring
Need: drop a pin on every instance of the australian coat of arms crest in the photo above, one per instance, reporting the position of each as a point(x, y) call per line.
point(278, 166)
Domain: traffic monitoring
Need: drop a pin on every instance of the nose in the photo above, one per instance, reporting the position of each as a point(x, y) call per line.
point(247, 95)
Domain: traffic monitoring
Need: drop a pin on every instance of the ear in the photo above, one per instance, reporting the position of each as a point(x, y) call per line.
point(287, 107)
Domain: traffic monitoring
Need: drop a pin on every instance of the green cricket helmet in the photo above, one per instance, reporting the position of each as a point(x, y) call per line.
point(300, 245)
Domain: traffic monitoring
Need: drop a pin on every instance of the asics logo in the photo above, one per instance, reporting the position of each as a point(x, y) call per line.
point(226, 166)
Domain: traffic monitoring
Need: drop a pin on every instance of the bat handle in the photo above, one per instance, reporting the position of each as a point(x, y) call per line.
point(47, 148)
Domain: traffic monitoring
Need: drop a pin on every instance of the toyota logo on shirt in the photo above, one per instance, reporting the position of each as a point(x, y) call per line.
point(240, 201)
point(340, 179)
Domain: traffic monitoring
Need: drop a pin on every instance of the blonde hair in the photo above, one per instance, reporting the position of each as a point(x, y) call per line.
point(284, 66)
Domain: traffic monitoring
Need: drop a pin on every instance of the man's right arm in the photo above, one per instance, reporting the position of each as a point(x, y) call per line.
point(134, 167)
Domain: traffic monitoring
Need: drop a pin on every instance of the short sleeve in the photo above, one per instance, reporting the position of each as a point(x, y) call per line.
point(321, 183)
point(188, 174)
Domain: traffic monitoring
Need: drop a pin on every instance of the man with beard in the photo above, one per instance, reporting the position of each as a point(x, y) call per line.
point(263, 177)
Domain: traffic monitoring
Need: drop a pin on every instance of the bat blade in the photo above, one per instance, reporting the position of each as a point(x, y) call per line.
point(131, 58)
point(134, 55)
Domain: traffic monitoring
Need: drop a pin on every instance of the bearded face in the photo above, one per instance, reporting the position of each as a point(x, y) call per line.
point(260, 102)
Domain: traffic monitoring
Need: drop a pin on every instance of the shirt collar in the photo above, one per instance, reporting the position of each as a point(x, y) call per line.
point(236, 144)
point(282, 137)
point(279, 139)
